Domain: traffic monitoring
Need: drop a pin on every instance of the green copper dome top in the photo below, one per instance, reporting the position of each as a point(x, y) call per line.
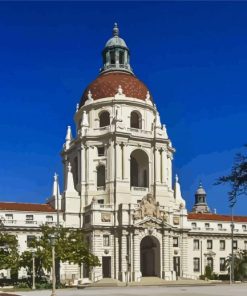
point(116, 56)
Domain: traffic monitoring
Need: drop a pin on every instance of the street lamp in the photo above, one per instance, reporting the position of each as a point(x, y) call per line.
point(232, 261)
point(53, 240)
point(33, 260)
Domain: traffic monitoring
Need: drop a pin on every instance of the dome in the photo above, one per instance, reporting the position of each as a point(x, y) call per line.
point(200, 190)
point(107, 84)
point(116, 41)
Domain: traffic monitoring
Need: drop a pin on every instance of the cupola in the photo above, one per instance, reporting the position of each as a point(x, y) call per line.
point(200, 205)
point(116, 54)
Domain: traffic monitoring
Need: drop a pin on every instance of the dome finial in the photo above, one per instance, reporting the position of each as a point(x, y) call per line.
point(115, 30)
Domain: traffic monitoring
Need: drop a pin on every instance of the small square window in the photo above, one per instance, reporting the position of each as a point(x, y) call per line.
point(101, 151)
point(220, 226)
point(244, 227)
point(9, 216)
point(193, 225)
point(100, 201)
point(175, 242)
point(207, 225)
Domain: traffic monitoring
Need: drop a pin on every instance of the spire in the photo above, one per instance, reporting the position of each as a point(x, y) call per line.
point(69, 181)
point(55, 189)
point(177, 193)
point(68, 137)
point(115, 30)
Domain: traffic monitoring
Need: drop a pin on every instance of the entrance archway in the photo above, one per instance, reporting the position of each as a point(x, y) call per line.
point(150, 256)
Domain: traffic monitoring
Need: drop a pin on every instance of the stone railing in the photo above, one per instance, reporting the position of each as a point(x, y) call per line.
point(139, 132)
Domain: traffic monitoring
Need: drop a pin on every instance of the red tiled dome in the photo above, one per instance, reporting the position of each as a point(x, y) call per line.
point(106, 85)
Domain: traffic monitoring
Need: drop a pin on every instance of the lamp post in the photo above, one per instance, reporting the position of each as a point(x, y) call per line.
point(33, 260)
point(52, 239)
point(232, 261)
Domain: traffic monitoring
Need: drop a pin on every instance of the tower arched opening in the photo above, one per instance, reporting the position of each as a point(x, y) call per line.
point(101, 177)
point(135, 120)
point(150, 256)
point(139, 172)
point(104, 119)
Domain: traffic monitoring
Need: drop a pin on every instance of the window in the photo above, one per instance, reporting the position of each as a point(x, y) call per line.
point(244, 227)
point(196, 244)
point(29, 219)
point(245, 245)
point(104, 119)
point(222, 264)
point(121, 57)
point(49, 219)
point(30, 239)
point(220, 226)
point(88, 241)
point(101, 177)
point(196, 264)
point(135, 120)
point(207, 225)
point(209, 244)
point(9, 216)
point(106, 240)
point(222, 245)
point(101, 151)
point(100, 201)
point(175, 242)
point(235, 245)
point(193, 225)
point(112, 57)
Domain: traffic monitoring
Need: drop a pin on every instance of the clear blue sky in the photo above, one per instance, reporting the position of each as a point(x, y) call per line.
point(192, 56)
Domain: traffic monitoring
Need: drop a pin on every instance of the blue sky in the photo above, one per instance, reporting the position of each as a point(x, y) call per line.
point(192, 56)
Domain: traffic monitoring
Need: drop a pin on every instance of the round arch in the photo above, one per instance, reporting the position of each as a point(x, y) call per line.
point(150, 256)
point(135, 119)
point(139, 169)
point(104, 118)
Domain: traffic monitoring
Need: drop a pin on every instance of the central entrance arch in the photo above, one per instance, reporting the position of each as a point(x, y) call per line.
point(150, 256)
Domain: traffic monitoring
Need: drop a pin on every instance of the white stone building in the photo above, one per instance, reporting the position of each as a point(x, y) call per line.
point(119, 188)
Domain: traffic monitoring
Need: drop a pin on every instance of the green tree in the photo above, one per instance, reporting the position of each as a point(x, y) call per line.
point(69, 246)
point(9, 256)
point(237, 179)
point(240, 257)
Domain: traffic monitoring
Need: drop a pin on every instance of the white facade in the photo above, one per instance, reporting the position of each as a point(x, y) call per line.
point(118, 187)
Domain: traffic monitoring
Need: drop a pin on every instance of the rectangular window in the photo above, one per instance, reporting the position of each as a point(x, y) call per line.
point(244, 227)
point(245, 245)
point(106, 240)
point(175, 242)
point(196, 244)
point(30, 239)
point(207, 225)
point(49, 218)
point(193, 225)
point(196, 264)
point(220, 226)
point(29, 219)
point(235, 245)
point(100, 201)
point(101, 151)
point(222, 245)
point(209, 244)
point(222, 264)
point(9, 216)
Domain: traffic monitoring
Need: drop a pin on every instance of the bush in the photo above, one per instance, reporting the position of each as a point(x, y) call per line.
point(43, 286)
point(22, 285)
point(224, 277)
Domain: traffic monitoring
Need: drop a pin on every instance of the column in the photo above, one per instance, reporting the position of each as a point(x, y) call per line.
point(169, 171)
point(123, 256)
point(157, 165)
point(123, 161)
point(164, 166)
point(136, 258)
point(118, 161)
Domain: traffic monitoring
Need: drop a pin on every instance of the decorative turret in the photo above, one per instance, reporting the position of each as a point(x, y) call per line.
point(177, 193)
point(68, 137)
point(55, 199)
point(200, 205)
point(116, 54)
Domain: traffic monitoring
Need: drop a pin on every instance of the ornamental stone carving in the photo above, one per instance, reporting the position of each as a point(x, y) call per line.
point(105, 217)
point(147, 207)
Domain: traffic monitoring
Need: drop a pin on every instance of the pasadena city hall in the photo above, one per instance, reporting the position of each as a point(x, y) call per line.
point(119, 188)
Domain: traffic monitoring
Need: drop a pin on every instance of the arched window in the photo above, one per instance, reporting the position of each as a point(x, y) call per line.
point(101, 177)
point(104, 119)
point(139, 175)
point(135, 120)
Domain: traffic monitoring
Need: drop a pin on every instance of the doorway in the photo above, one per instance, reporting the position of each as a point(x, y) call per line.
point(106, 267)
point(150, 256)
